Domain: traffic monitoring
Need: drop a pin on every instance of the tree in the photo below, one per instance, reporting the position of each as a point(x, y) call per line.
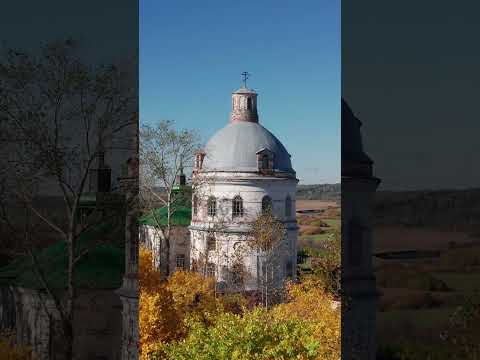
point(326, 267)
point(310, 302)
point(265, 236)
point(253, 335)
point(58, 116)
point(12, 351)
point(164, 153)
point(167, 305)
point(463, 331)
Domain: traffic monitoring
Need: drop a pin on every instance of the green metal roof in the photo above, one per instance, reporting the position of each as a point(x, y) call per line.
point(101, 268)
point(88, 199)
point(181, 217)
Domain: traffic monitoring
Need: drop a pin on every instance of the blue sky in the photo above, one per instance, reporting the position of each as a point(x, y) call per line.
point(192, 54)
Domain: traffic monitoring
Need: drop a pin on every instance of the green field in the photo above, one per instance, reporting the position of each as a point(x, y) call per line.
point(421, 322)
point(314, 241)
point(460, 281)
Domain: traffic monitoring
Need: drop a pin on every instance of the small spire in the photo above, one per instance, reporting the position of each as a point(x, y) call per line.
point(245, 76)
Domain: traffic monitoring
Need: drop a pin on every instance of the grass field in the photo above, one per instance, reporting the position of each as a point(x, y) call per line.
point(317, 227)
point(414, 307)
point(460, 281)
point(315, 204)
point(425, 325)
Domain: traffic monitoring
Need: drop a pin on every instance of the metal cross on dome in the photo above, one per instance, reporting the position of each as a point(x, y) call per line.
point(245, 75)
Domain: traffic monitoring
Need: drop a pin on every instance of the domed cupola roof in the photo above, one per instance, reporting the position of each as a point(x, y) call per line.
point(235, 148)
point(237, 145)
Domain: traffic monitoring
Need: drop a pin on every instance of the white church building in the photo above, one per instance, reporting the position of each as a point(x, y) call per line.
point(243, 170)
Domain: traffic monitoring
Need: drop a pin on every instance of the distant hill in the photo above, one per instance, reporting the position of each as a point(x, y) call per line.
point(319, 192)
point(447, 209)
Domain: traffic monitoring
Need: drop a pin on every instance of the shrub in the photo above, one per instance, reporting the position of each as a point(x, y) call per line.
point(326, 265)
point(311, 230)
point(255, 335)
point(11, 351)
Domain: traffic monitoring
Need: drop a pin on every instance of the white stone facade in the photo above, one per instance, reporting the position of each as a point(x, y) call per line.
point(230, 232)
point(244, 165)
point(179, 254)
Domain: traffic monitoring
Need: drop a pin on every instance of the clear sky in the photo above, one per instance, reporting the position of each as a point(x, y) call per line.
point(192, 54)
point(410, 73)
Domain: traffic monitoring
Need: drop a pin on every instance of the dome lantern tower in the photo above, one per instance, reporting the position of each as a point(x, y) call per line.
point(244, 103)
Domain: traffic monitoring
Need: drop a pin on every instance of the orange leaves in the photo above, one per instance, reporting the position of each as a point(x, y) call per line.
point(148, 277)
point(157, 322)
point(311, 303)
point(182, 318)
point(167, 305)
point(193, 294)
point(266, 232)
point(11, 351)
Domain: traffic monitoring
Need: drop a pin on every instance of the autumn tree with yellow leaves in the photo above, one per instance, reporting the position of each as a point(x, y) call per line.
point(182, 318)
point(9, 350)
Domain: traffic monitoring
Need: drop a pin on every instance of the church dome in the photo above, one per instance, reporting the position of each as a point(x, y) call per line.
point(235, 147)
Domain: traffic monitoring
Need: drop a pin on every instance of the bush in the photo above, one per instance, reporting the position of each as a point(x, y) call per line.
point(255, 335)
point(11, 351)
point(312, 230)
point(326, 265)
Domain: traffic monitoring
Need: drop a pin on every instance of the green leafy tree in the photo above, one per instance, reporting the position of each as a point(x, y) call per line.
point(255, 335)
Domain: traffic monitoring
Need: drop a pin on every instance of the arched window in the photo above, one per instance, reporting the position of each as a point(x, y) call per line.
point(237, 206)
point(210, 270)
point(211, 243)
point(212, 206)
point(249, 103)
point(195, 204)
point(266, 204)
point(288, 206)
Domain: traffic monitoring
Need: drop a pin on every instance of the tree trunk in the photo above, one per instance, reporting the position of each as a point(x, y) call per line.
point(167, 233)
point(69, 301)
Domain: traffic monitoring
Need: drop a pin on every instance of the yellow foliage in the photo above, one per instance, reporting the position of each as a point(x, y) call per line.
point(167, 305)
point(193, 295)
point(310, 302)
point(149, 278)
point(157, 321)
point(11, 351)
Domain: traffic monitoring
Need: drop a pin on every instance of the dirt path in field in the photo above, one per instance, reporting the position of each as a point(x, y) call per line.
point(315, 204)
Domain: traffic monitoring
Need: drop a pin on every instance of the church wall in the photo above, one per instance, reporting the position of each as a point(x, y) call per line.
point(179, 245)
point(98, 324)
point(229, 230)
point(252, 192)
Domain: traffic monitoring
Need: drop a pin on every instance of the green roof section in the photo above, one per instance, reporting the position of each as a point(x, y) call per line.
point(181, 217)
point(101, 268)
point(88, 199)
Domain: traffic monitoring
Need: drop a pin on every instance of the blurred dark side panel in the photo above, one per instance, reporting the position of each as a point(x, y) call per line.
point(68, 178)
point(410, 79)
